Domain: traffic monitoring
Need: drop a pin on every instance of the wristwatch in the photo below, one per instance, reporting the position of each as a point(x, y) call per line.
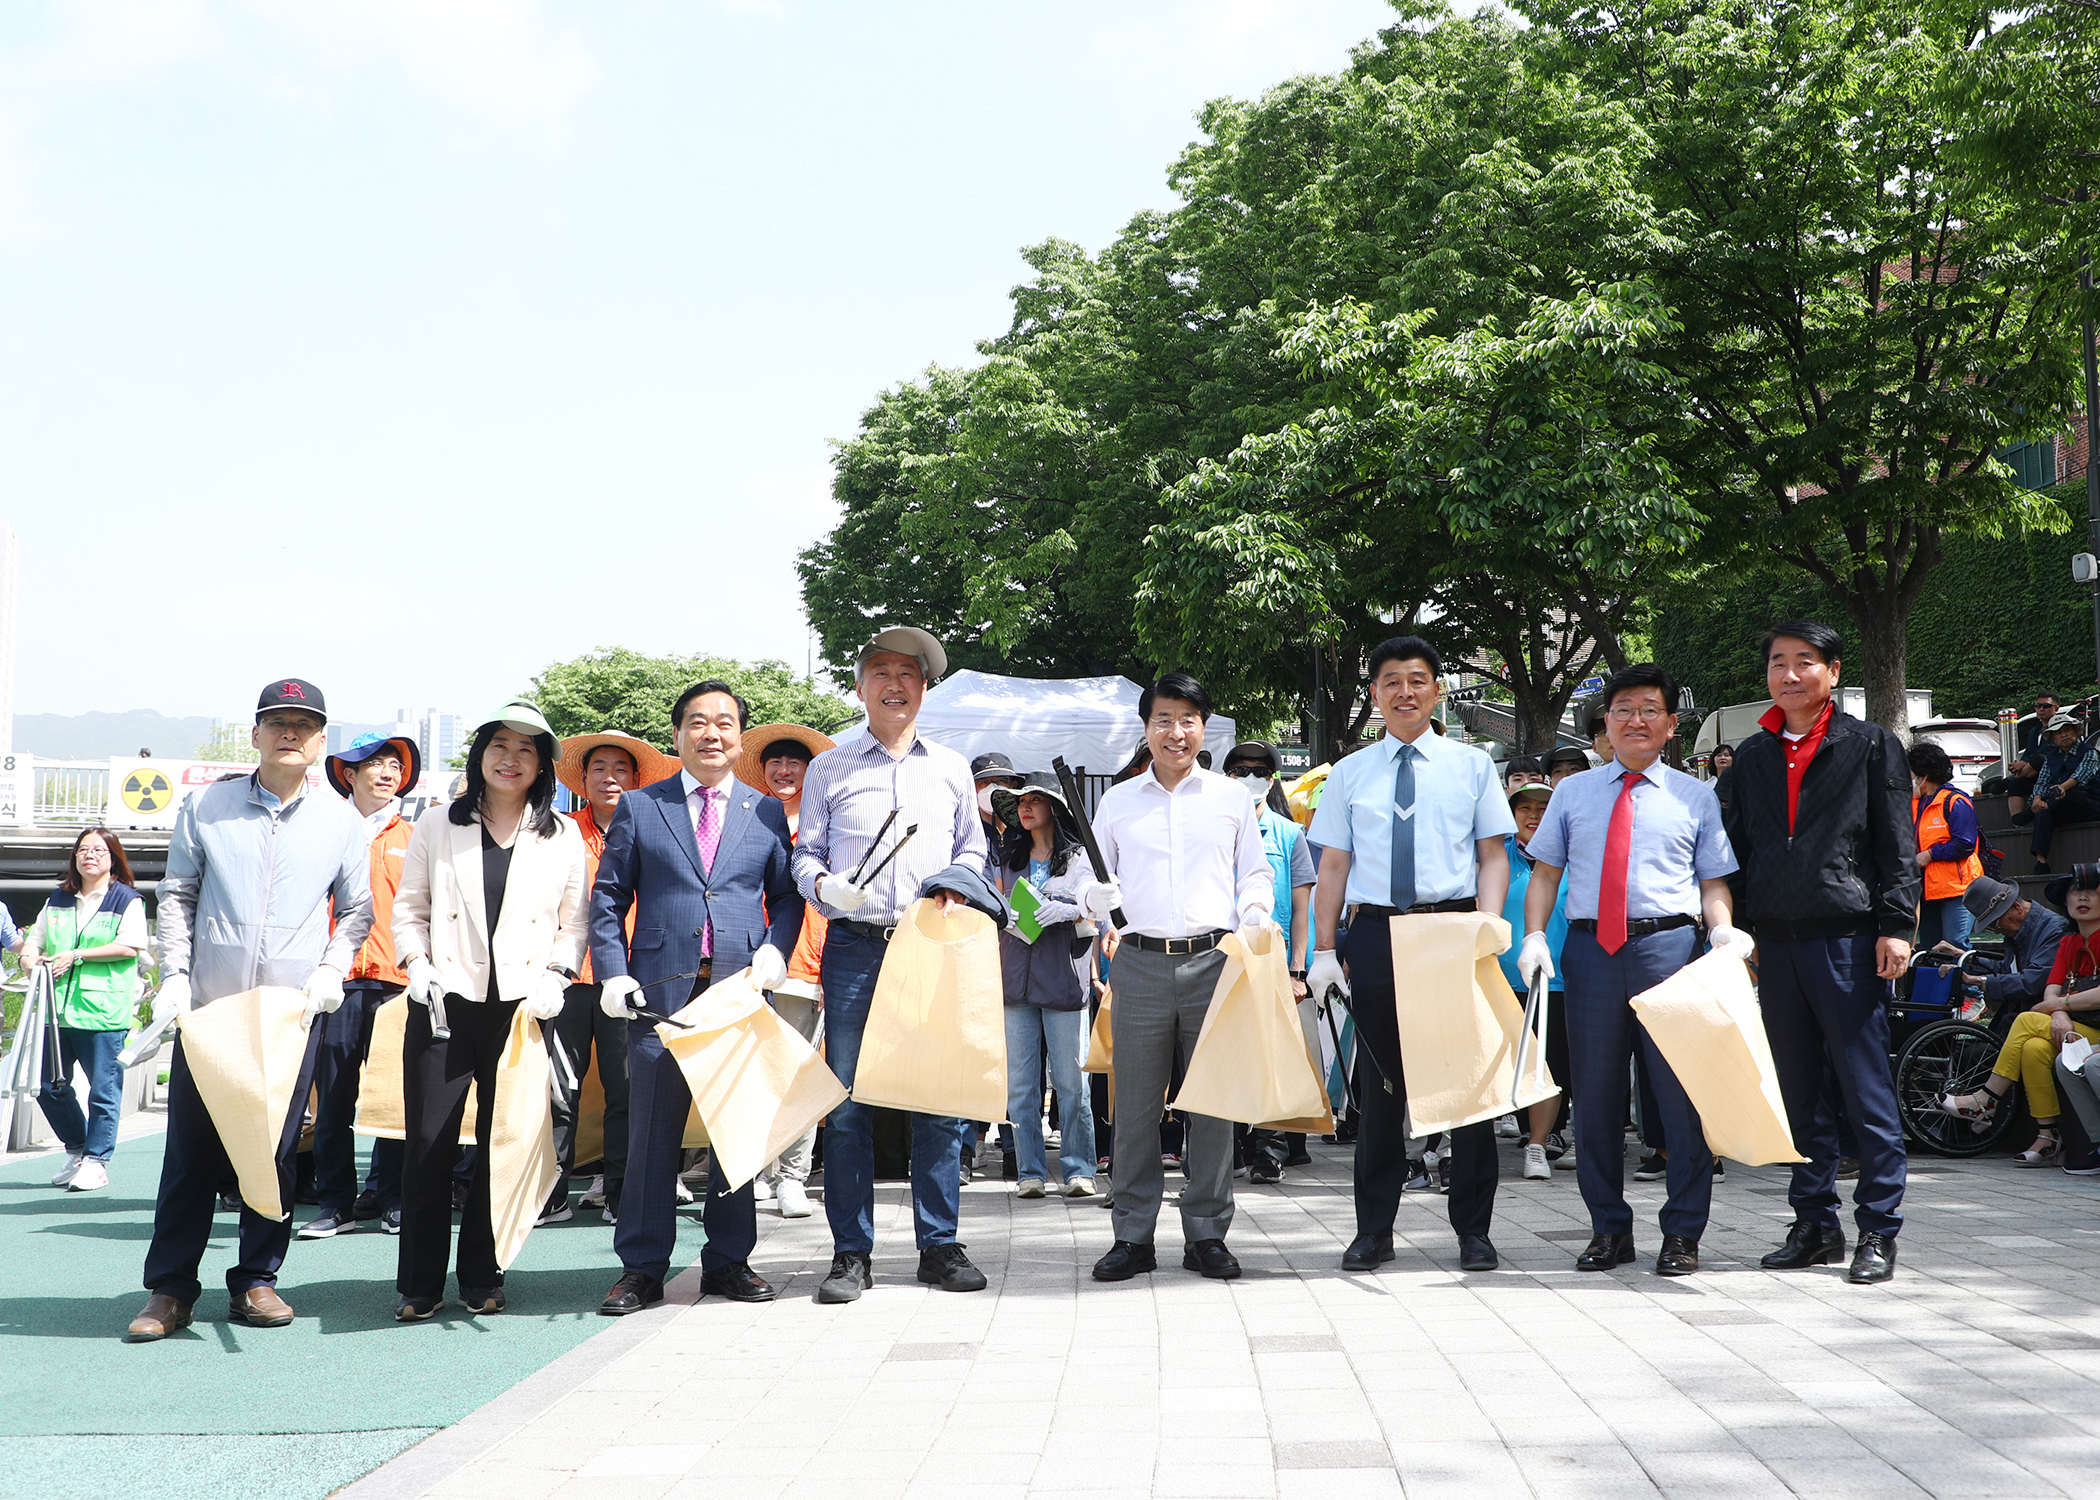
point(568, 974)
point(1301, 973)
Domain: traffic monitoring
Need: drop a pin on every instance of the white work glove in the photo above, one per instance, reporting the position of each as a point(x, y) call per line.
point(172, 999)
point(1732, 940)
point(424, 986)
point(841, 894)
point(1326, 974)
point(1097, 898)
point(769, 971)
point(1535, 959)
point(549, 992)
point(621, 997)
point(324, 992)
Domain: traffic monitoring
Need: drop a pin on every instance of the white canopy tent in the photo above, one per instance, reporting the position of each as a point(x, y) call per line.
point(1091, 721)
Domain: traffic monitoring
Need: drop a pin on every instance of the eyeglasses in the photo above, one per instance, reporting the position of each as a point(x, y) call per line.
point(1647, 713)
point(1185, 723)
point(305, 729)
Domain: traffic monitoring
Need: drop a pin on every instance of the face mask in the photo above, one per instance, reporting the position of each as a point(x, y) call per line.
point(1256, 783)
point(984, 800)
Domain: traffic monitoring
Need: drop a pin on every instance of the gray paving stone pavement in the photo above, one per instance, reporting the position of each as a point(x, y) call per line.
point(1975, 1373)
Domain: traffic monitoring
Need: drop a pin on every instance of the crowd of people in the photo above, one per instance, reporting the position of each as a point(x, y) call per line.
point(1822, 852)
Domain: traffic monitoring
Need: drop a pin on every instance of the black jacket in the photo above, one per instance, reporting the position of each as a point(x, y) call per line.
point(1848, 865)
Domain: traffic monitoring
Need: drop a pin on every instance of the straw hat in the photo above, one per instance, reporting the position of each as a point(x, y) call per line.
point(651, 764)
point(750, 767)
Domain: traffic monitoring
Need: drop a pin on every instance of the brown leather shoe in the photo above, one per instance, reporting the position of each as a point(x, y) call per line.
point(259, 1307)
point(161, 1316)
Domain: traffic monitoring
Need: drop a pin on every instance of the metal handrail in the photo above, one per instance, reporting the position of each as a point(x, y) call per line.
point(70, 791)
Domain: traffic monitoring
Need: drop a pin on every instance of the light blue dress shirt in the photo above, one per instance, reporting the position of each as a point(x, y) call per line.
point(1677, 840)
point(1458, 801)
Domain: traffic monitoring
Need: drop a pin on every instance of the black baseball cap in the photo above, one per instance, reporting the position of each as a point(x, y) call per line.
point(1568, 755)
point(292, 692)
point(993, 763)
point(1259, 751)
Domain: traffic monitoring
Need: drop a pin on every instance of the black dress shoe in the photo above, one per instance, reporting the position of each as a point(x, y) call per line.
point(1605, 1251)
point(1680, 1256)
point(946, 1267)
point(1210, 1258)
point(1367, 1252)
point(630, 1294)
point(850, 1275)
point(1476, 1254)
point(1874, 1260)
point(739, 1283)
point(1807, 1245)
point(1124, 1260)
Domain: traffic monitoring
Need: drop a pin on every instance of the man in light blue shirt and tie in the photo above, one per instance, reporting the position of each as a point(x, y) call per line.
point(1412, 823)
point(1645, 858)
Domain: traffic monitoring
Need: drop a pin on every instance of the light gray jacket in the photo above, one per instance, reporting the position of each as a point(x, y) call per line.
point(245, 900)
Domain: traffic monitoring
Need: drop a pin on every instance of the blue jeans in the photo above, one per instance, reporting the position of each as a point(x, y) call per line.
point(1945, 920)
point(95, 1054)
point(851, 964)
point(1030, 1030)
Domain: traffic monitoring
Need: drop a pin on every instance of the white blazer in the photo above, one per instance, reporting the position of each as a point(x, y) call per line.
point(441, 911)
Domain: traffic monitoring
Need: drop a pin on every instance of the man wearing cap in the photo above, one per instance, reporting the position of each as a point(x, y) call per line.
point(776, 761)
point(1820, 820)
point(1254, 766)
point(1564, 761)
point(703, 862)
point(2064, 785)
point(887, 775)
point(2014, 977)
point(1185, 865)
point(1642, 846)
point(1411, 824)
point(253, 865)
point(597, 769)
point(372, 771)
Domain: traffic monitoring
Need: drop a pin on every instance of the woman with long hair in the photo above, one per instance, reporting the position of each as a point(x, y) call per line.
point(490, 916)
point(90, 932)
point(1046, 982)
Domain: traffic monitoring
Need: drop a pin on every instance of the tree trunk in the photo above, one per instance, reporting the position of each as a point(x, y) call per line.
point(1881, 618)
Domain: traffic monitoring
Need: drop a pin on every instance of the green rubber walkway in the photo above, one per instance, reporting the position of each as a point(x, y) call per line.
point(219, 1409)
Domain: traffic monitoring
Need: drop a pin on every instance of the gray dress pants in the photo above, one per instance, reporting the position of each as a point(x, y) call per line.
point(1160, 1002)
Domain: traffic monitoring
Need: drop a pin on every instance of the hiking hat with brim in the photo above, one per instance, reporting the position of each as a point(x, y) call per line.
point(2063, 721)
point(1988, 899)
point(1537, 789)
point(651, 765)
point(340, 767)
point(1251, 751)
point(1568, 755)
point(751, 765)
point(906, 640)
point(521, 714)
point(2082, 878)
point(1006, 800)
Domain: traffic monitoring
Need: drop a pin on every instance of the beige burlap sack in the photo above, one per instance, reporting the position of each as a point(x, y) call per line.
point(380, 1108)
point(245, 1053)
point(1250, 1062)
point(1101, 1049)
point(522, 1168)
point(1459, 1022)
point(1706, 1023)
point(935, 1041)
point(757, 1086)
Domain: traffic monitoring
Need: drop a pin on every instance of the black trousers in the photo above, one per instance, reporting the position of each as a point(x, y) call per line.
point(1381, 1132)
point(346, 1038)
point(193, 1167)
point(2075, 806)
point(582, 1027)
point(434, 1083)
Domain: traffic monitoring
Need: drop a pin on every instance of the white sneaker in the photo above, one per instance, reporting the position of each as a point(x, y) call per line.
point(65, 1173)
point(1565, 1162)
point(1031, 1187)
point(1506, 1128)
point(1079, 1187)
point(92, 1175)
point(794, 1199)
point(762, 1190)
point(685, 1194)
point(1535, 1168)
point(595, 1196)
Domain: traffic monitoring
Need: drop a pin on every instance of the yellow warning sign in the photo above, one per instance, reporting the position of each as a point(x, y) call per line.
point(146, 790)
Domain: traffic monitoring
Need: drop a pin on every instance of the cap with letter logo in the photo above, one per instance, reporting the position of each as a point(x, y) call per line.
point(292, 692)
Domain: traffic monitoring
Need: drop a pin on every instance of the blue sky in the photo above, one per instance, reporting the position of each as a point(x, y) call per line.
point(409, 346)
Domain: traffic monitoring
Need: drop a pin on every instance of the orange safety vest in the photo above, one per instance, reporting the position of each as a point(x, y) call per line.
point(593, 851)
point(1943, 877)
point(375, 960)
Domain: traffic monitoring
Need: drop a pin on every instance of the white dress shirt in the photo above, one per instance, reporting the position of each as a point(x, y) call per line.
point(693, 786)
point(1188, 859)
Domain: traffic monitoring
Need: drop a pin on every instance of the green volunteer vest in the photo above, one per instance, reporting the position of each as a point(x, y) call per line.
point(97, 995)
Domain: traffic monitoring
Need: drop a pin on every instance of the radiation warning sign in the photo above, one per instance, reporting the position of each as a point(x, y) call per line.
point(147, 790)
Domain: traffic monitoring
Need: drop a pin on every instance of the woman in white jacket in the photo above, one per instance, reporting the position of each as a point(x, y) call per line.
point(490, 916)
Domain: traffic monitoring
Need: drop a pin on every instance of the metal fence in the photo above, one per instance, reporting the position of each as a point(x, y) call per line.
point(71, 791)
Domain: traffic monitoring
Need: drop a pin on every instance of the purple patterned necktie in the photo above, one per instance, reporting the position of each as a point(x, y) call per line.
point(707, 832)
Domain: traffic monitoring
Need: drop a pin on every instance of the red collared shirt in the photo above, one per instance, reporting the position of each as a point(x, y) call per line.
point(1798, 752)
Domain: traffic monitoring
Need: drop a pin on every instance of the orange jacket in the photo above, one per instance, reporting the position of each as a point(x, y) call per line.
point(376, 959)
point(1943, 877)
point(593, 851)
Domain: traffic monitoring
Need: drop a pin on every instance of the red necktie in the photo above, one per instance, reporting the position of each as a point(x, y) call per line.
point(1611, 882)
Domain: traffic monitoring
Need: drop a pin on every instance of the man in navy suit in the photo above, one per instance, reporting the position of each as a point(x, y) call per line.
point(704, 859)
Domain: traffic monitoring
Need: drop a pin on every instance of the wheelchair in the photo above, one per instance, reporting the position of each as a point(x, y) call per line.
point(1936, 1053)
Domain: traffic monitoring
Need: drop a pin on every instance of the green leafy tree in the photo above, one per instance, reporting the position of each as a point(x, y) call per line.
point(623, 690)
